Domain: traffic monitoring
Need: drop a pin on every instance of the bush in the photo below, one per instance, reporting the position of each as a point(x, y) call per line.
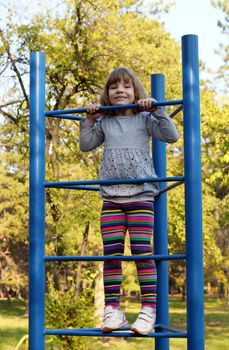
point(64, 311)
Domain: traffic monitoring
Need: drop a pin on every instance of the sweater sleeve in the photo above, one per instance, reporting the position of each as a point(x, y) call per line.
point(161, 126)
point(91, 135)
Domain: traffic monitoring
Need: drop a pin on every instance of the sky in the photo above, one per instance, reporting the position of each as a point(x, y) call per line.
point(197, 17)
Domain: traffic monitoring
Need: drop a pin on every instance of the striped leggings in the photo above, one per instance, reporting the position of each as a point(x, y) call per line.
point(138, 219)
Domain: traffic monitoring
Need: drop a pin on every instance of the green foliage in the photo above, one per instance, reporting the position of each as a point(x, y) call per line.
point(215, 155)
point(13, 327)
point(78, 61)
point(14, 222)
point(64, 311)
point(224, 48)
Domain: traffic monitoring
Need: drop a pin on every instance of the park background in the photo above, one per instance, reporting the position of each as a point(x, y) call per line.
point(83, 41)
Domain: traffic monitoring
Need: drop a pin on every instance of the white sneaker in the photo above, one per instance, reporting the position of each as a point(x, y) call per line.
point(113, 319)
point(145, 321)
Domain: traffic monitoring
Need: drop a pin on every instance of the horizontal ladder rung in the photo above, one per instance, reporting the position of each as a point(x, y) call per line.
point(109, 257)
point(65, 184)
point(112, 108)
point(66, 116)
point(176, 111)
point(97, 188)
point(122, 332)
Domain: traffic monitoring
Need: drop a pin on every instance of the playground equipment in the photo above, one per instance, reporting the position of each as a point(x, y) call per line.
point(24, 339)
point(193, 208)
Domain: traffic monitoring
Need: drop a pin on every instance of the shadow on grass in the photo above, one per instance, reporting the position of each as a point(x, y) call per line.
point(9, 338)
point(12, 308)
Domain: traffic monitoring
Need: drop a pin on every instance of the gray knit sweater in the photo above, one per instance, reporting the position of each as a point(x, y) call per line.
point(127, 151)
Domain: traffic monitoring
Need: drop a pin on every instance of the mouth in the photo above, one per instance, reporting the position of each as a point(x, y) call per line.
point(120, 98)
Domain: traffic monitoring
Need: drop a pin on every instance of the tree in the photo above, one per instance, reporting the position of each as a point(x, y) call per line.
point(78, 61)
point(215, 168)
point(224, 49)
point(13, 216)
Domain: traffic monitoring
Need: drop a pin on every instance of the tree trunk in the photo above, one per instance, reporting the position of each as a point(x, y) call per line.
point(99, 297)
point(227, 291)
point(183, 293)
point(80, 263)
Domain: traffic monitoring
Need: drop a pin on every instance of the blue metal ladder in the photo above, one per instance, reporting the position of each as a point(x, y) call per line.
point(193, 209)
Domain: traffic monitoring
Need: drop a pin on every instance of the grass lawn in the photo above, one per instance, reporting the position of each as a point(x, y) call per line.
point(13, 325)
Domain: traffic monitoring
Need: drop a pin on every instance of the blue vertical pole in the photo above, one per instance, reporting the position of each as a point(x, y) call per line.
point(160, 226)
point(193, 200)
point(37, 202)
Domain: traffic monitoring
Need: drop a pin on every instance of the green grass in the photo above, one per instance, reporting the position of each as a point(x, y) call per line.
point(13, 325)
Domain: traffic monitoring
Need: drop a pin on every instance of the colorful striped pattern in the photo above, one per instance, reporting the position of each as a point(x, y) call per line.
point(138, 219)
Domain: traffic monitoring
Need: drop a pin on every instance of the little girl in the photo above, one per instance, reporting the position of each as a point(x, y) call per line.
point(126, 137)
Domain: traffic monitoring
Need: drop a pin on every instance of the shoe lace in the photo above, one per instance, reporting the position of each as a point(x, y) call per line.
point(108, 314)
point(147, 316)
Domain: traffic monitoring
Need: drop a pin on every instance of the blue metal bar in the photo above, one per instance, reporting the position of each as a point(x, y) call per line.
point(178, 183)
point(177, 110)
point(66, 116)
point(37, 202)
point(73, 117)
point(85, 188)
point(111, 182)
point(193, 201)
point(119, 333)
point(170, 329)
point(193, 205)
point(123, 258)
point(128, 328)
point(160, 223)
point(112, 108)
point(93, 188)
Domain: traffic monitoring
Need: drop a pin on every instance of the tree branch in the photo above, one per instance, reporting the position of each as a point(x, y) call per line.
point(10, 103)
point(15, 69)
point(80, 264)
point(8, 115)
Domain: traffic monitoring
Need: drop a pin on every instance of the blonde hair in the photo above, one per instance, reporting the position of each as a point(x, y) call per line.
point(116, 76)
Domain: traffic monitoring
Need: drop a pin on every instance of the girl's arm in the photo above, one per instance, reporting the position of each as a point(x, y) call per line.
point(91, 134)
point(161, 126)
point(158, 123)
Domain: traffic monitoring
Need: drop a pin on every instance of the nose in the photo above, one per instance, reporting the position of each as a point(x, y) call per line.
point(119, 87)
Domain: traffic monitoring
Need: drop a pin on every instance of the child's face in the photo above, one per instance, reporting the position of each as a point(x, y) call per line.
point(121, 93)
